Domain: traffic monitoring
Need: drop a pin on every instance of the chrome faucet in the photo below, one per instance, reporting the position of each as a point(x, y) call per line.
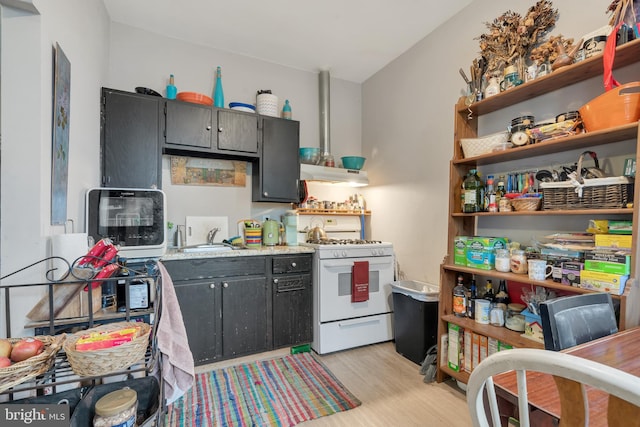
point(212, 235)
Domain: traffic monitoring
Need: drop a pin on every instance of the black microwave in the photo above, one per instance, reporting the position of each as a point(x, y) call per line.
point(134, 220)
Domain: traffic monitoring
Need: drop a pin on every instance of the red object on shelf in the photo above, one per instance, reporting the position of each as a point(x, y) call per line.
point(194, 97)
point(360, 281)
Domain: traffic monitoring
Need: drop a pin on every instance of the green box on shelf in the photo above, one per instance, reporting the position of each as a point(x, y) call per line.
point(460, 250)
point(606, 262)
point(481, 251)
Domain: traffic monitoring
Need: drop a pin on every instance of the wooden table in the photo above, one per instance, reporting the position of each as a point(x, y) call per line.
point(620, 350)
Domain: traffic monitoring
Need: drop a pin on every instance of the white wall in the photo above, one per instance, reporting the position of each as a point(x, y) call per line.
point(81, 28)
point(408, 127)
point(141, 58)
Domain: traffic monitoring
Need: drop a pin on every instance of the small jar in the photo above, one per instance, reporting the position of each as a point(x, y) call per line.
point(116, 409)
point(518, 261)
point(504, 205)
point(514, 320)
point(503, 260)
point(497, 314)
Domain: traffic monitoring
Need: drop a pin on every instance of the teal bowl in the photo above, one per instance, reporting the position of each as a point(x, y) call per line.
point(309, 155)
point(353, 162)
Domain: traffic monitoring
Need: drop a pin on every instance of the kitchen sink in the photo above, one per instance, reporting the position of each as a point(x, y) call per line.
point(220, 247)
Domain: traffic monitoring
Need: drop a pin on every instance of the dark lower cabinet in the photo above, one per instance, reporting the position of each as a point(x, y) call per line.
point(244, 317)
point(292, 310)
point(236, 306)
point(201, 312)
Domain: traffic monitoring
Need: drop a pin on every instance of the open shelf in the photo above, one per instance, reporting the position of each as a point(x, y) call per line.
point(626, 54)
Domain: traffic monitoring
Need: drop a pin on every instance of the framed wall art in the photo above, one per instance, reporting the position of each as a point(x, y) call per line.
point(60, 146)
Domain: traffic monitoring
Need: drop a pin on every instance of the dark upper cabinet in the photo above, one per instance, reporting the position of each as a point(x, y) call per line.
point(129, 139)
point(277, 171)
point(189, 126)
point(199, 130)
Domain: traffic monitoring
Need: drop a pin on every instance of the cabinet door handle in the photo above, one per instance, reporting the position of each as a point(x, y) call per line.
point(265, 194)
point(294, 265)
point(209, 127)
point(212, 285)
point(275, 280)
point(225, 285)
point(220, 129)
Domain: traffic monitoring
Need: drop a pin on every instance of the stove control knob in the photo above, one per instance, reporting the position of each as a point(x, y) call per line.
point(336, 254)
point(344, 254)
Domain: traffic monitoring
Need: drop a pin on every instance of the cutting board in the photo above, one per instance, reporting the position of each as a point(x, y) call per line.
point(198, 227)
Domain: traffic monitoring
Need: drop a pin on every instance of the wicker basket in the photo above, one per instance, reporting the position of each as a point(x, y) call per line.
point(526, 203)
point(597, 193)
point(477, 146)
point(108, 360)
point(20, 372)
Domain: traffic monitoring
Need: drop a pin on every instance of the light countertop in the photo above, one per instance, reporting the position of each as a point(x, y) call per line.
point(176, 254)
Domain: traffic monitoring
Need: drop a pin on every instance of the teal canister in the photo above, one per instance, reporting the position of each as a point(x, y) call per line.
point(270, 232)
point(172, 91)
point(290, 222)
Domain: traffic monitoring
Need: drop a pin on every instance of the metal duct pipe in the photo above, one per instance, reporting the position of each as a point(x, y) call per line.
point(325, 122)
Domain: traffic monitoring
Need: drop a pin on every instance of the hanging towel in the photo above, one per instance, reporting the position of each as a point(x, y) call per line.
point(178, 372)
point(360, 281)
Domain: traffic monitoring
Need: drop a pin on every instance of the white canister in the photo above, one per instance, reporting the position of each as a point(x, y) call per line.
point(482, 307)
point(267, 104)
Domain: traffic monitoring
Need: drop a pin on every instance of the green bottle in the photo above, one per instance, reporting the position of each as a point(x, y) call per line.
point(218, 94)
point(473, 193)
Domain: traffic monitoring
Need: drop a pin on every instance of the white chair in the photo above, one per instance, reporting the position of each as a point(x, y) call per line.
point(572, 373)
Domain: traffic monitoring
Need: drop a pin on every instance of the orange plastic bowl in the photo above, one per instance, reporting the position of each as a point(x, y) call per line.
point(194, 97)
point(615, 107)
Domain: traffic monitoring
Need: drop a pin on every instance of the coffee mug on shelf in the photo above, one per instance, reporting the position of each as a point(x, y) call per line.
point(539, 270)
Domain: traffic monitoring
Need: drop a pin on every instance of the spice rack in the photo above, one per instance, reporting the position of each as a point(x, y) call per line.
point(61, 372)
point(626, 137)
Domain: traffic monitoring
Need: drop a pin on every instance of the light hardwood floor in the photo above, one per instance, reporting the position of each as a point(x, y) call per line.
point(389, 386)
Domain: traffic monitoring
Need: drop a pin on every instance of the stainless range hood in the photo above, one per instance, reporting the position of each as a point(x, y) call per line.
point(349, 177)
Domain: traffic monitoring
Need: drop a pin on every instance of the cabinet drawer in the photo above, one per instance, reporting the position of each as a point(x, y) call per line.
point(291, 264)
point(203, 268)
point(295, 283)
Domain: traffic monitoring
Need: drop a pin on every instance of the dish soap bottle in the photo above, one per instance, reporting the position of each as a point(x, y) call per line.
point(218, 94)
point(286, 110)
point(171, 88)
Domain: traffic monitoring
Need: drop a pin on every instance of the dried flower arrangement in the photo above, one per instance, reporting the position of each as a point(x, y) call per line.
point(548, 50)
point(511, 37)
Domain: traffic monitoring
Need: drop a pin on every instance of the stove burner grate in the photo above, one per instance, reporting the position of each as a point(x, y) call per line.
point(342, 241)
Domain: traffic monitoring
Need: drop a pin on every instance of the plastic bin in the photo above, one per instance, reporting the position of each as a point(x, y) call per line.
point(415, 326)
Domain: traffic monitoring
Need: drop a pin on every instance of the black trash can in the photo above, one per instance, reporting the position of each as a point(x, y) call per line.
point(415, 311)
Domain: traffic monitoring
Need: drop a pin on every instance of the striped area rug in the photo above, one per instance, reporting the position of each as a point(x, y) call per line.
point(277, 392)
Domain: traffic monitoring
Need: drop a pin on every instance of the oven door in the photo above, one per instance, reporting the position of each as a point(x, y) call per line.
point(334, 288)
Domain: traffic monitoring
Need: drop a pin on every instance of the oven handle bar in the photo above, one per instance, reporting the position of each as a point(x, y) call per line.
point(356, 322)
point(376, 261)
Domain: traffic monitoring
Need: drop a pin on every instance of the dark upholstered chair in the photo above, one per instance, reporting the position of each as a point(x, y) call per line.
point(573, 320)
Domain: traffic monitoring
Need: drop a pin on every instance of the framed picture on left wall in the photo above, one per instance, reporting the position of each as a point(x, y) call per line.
point(60, 146)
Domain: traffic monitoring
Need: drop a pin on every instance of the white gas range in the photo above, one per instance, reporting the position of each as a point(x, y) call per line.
point(340, 323)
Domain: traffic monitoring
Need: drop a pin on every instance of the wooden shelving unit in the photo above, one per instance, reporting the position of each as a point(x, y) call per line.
point(465, 224)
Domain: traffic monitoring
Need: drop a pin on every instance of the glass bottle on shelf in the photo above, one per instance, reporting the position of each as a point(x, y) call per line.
point(460, 298)
point(489, 294)
point(473, 193)
point(218, 94)
point(490, 197)
point(502, 296)
point(500, 191)
point(473, 295)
